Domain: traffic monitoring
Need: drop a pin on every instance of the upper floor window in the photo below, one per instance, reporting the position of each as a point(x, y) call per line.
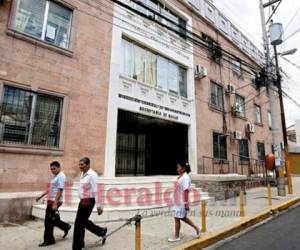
point(258, 116)
point(176, 22)
point(269, 119)
point(44, 20)
point(216, 96)
point(214, 48)
point(253, 78)
point(145, 66)
point(236, 67)
point(240, 106)
point(30, 118)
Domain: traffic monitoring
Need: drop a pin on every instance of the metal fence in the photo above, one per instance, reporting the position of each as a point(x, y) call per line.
point(237, 165)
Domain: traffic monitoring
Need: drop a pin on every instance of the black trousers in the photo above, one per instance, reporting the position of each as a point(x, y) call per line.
point(52, 220)
point(82, 222)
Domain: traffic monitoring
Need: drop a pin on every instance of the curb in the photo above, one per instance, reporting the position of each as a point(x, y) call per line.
point(244, 223)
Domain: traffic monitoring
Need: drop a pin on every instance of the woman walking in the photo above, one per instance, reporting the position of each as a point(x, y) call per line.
point(181, 200)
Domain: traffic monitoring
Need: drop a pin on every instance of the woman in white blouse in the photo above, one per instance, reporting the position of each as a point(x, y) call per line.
point(181, 200)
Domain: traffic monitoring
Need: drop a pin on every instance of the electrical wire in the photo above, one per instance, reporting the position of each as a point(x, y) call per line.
point(287, 60)
point(205, 101)
point(292, 19)
point(209, 58)
point(293, 34)
point(273, 12)
point(200, 42)
point(167, 42)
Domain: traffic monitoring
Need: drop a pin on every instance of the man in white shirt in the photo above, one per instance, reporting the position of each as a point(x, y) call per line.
point(88, 194)
point(54, 201)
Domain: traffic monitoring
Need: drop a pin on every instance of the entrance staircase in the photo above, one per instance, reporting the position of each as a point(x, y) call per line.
point(130, 195)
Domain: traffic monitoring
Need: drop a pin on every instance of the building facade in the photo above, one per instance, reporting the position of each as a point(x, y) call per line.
point(54, 79)
point(116, 82)
point(233, 115)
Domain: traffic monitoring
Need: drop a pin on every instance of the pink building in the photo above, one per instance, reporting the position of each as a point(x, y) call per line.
point(135, 94)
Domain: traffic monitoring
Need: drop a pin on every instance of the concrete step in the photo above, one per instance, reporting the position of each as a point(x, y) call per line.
point(135, 201)
point(110, 214)
point(149, 186)
point(125, 209)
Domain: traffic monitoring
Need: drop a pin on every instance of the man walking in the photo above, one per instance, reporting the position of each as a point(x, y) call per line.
point(54, 201)
point(88, 194)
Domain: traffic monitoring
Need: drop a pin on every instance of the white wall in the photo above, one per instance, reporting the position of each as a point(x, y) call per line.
point(165, 43)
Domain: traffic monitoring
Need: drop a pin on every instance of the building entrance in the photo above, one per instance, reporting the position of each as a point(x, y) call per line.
point(148, 145)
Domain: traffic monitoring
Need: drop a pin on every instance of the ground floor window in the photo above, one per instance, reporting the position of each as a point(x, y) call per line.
point(219, 146)
point(244, 151)
point(31, 118)
point(261, 151)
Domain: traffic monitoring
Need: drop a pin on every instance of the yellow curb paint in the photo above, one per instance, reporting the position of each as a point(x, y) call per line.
point(213, 237)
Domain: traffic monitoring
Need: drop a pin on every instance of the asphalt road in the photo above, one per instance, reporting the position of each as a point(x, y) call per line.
point(280, 233)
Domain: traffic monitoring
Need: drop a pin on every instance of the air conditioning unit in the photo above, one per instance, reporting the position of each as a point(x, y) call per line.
point(237, 135)
point(200, 71)
point(237, 108)
point(230, 89)
point(250, 127)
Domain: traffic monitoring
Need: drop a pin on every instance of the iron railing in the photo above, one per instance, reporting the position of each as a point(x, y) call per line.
point(237, 165)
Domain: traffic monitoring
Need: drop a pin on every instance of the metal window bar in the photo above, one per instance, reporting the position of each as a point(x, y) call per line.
point(30, 118)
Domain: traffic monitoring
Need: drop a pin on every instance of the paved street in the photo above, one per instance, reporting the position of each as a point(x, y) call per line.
point(156, 230)
point(280, 233)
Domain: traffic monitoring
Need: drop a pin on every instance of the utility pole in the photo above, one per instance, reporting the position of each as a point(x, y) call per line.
point(285, 141)
point(274, 118)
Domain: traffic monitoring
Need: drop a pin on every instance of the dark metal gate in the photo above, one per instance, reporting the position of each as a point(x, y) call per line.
point(148, 145)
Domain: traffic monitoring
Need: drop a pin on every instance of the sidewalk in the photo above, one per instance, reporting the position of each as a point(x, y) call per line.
point(155, 231)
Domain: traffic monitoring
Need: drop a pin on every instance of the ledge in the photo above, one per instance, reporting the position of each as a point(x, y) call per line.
point(16, 149)
point(19, 195)
point(259, 124)
point(240, 117)
point(40, 43)
point(219, 177)
point(216, 109)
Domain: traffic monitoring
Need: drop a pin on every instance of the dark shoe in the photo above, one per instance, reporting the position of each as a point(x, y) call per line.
point(44, 244)
point(67, 231)
point(104, 232)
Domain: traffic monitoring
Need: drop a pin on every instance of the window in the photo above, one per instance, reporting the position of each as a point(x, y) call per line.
point(214, 48)
point(162, 72)
point(30, 118)
point(173, 77)
point(139, 64)
point(151, 69)
point(128, 58)
point(261, 151)
point(216, 96)
point(253, 77)
point(244, 151)
point(258, 116)
point(240, 106)
point(178, 23)
point(147, 67)
point(269, 119)
point(219, 146)
point(237, 67)
point(182, 82)
point(44, 20)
